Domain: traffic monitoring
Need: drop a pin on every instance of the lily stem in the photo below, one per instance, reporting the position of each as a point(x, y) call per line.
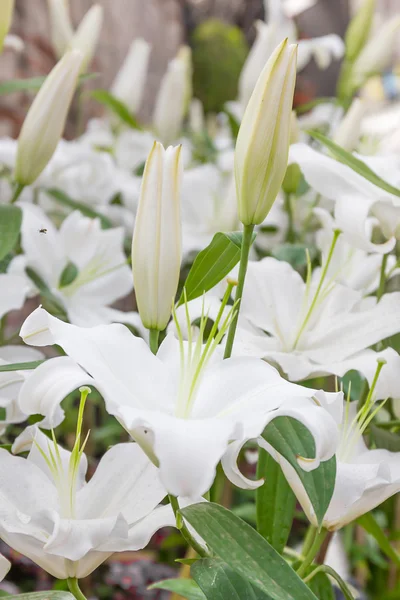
point(244, 261)
point(154, 336)
point(312, 552)
point(382, 278)
point(184, 530)
point(17, 192)
point(75, 589)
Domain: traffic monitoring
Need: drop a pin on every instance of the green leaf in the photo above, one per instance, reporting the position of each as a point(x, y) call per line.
point(213, 263)
point(371, 526)
point(322, 587)
point(116, 106)
point(354, 163)
point(25, 366)
point(10, 226)
point(246, 552)
point(292, 439)
point(69, 274)
point(51, 595)
point(65, 200)
point(388, 440)
point(275, 502)
point(187, 588)
point(220, 582)
point(33, 84)
point(234, 125)
point(294, 254)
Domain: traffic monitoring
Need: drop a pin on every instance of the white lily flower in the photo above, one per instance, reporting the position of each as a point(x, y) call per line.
point(45, 121)
point(156, 246)
point(263, 141)
point(61, 30)
point(69, 527)
point(14, 290)
point(6, 14)
point(11, 382)
point(86, 37)
point(83, 266)
point(187, 407)
point(286, 321)
point(292, 8)
point(130, 81)
point(356, 198)
point(323, 49)
point(173, 99)
point(364, 478)
point(377, 53)
point(348, 133)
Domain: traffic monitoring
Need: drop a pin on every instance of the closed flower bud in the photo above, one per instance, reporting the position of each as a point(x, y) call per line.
point(262, 146)
point(348, 133)
point(87, 35)
point(172, 100)
point(377, 54)
point(131, 78)
point(359, 29)
point(45, 121)
point(60, 26)
point(6, 13)
point(156, 247)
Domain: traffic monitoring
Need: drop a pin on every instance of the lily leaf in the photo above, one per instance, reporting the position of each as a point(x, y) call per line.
point(62, 198)
point(51, 595)
point(116, 106)
point(354, 163)
point(33, 84)
point(219, 582)
point(213, 263)
point(25, 366)
point(371, 526)
point(246, 552)
point(292, 439)
point(187, 588)
point(10, 226)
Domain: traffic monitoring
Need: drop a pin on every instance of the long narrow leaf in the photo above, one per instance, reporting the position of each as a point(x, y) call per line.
point(10, 226)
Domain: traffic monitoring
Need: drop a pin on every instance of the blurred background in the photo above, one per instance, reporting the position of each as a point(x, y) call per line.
point(223, 28)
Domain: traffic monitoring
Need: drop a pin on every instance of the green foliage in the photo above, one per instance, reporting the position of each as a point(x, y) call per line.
point(10, 226)
point(219, 52)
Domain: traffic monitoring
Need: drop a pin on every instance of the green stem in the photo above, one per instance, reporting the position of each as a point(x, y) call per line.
point(244, 261)
point(312, 553)
point(382, 278)
point(74, 588)
point(291, 234)
point(154, 335)
point(336, 234)
point(329, 571)
point(17, 192)
point(184, 530)
point(309, 539)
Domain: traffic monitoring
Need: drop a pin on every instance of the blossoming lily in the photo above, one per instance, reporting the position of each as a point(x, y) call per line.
point(314, 327)
point(364, 478)
point(67, 526)
point(187, 407)
point(83, 266)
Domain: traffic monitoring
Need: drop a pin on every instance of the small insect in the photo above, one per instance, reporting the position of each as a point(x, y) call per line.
point(43, 230)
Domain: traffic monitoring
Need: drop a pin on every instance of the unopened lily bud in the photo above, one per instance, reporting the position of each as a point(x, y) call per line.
point(359, 30)
point(45, 121)
point(156, 246)
point(348, 133)
point(377, 54)
point(87, 35)
point(130, 81)
point(171, 103)
point(61, 30)
point(260, 52)
point(6, 14)
point(292, 179)
point(262, 146)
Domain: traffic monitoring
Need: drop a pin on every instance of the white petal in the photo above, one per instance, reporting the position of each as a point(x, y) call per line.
point(14, 290)
point(5, 566)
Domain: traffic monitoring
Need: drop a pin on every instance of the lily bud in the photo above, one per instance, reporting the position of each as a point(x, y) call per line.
point(129, 83)
point(172, 99)
point(156, 246)
point(45, 121)
point(6, 14)
point(262, 146)
point(87, 35)
point(377, 54)
point(61, 30)
point(348, 133)
point(359, 29)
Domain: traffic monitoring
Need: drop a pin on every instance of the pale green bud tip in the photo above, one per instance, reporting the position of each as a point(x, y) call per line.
point(263, 142)
point(45, 121)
